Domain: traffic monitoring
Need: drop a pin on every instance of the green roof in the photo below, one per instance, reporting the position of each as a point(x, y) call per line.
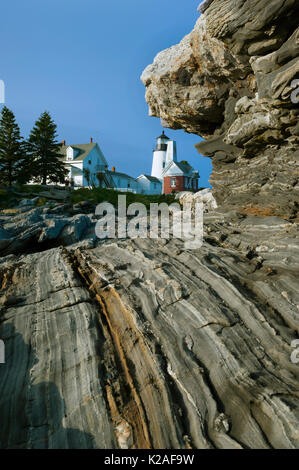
point(184, 167)
point(117, 173)
point(153, 179)
point(187, 170)
point(82, 151)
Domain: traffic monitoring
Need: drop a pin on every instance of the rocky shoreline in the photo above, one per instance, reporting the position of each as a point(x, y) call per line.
point(142, 343)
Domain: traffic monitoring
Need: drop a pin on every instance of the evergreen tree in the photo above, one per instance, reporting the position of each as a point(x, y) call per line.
point(12, 153)
point(44, 150)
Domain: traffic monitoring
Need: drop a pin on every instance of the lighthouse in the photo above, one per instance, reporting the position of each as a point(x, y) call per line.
point(164, 153)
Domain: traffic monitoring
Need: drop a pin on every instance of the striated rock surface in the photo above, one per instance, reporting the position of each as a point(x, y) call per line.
point(143, 343)
point(204, 196)
point(233, 81)
point(30, 229)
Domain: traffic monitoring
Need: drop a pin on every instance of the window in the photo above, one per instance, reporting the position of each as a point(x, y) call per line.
point(89, 162)
point(186, 182)
point(172, 182)
point(69, 154)
point(163, 164)
point(129, 185)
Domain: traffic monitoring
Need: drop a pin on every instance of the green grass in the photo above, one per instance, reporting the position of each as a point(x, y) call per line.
point(94, 196)
point(98, 195)
point(5, 199)
point(29, 189)
point(41, 201)
point(8, 198)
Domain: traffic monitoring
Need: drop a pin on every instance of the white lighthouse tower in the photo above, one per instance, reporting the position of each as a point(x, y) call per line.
point(164, 153)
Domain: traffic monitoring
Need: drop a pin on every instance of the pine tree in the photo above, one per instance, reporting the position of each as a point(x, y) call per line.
point(12, 153)
point(44, 151)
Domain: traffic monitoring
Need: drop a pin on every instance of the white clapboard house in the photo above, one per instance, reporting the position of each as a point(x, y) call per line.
point(86, 165)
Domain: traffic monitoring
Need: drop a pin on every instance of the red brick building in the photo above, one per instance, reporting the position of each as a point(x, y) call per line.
point(178, 177)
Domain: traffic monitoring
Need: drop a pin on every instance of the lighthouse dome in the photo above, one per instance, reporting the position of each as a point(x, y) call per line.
point(162, 142)
point(163, 136)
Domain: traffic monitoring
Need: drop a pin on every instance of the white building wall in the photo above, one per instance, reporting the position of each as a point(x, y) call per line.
point(148, 187)
point(171, 154)
point(159, 159)
point(94, 162)
point(173, 171)
point(75, 173)
point(69, 154)
point(143, 185)
point(124, 183)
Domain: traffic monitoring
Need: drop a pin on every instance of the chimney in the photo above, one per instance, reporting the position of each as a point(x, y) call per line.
point(113, 169)
point(63, 142)
point(91, 140)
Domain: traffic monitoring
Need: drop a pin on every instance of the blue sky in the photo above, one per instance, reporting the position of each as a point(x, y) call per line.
point(82, 60)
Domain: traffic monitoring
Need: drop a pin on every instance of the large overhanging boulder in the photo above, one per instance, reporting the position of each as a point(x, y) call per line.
point(233, 82)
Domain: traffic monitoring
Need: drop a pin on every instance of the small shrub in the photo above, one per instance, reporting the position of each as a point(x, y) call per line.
point(41, 201)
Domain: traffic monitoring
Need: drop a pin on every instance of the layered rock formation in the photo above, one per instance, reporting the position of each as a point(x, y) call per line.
point(30, 229)
point(144, 343)
point(232, 81)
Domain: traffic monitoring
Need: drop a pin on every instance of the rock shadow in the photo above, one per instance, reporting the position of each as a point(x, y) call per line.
point(31, 415)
